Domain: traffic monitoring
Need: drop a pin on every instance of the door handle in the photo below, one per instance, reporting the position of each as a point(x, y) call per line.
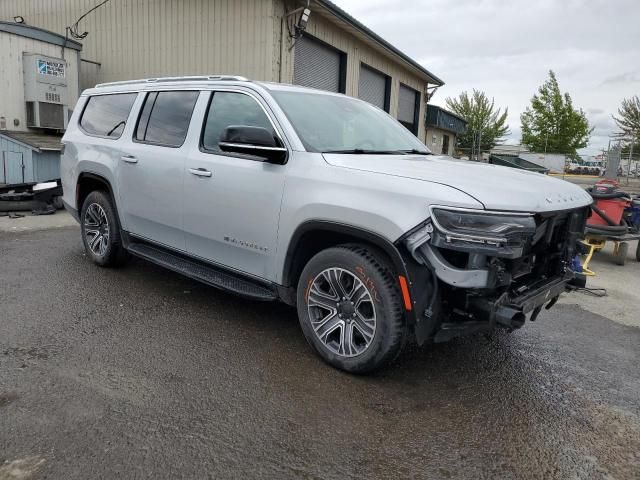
point(129, 159)
point(200, 172)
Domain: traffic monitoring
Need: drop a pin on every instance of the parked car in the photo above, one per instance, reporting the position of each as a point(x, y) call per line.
point(322, 201)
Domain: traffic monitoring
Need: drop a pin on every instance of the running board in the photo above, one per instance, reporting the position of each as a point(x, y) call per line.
point(202, 273)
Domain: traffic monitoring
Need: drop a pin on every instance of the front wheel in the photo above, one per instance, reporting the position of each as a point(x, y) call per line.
point(101, 231)
point(350, 308)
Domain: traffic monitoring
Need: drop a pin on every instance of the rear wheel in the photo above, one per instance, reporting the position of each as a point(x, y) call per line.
point(101, 231)
point(350, 308)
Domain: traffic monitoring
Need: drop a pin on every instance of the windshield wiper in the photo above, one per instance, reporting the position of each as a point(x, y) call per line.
point(362, 151)
point(415, 151)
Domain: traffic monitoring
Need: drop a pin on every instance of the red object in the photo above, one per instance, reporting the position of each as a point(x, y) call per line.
point(607, 181)
point(613, 208)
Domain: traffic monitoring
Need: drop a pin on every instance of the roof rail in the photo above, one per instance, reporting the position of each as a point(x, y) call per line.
point(194, 78)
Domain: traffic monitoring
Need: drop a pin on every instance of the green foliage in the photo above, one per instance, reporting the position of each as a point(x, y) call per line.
point(551, 123)
point(481, 115)
point(629, 118)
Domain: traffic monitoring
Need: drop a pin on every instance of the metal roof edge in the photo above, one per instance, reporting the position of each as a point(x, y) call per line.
point(8, 137)
point(337, 11)
point(442, 109)
point(40, 34)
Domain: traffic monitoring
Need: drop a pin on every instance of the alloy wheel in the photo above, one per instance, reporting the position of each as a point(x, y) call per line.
point(342, 312)
point(96, 229)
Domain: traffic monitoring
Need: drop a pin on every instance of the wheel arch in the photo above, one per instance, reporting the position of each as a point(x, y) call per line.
point(88, 182)
point(314, 236)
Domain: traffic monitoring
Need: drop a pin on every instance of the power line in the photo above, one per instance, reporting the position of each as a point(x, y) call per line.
point(73, 29)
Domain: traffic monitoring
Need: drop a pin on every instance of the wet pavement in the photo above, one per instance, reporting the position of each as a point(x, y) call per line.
point(141, 373)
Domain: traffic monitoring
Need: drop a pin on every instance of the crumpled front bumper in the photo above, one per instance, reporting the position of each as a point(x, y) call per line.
point(507, 311)
point(510, 310)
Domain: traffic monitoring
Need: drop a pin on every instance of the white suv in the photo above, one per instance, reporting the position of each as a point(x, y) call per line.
point(277, 192)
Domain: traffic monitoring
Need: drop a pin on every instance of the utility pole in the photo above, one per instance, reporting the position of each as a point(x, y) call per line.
point(613, 161)
point(629, 161)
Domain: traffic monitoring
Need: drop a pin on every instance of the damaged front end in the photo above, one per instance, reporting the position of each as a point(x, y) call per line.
point(477, 270)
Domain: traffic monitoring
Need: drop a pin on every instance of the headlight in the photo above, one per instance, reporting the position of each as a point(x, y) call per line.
point(503, 233)
point(489, 226)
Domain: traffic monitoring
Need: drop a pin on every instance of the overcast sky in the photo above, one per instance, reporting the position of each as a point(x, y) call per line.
point(506, 47)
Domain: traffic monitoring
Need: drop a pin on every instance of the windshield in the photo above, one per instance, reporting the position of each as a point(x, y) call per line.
point(330, 123)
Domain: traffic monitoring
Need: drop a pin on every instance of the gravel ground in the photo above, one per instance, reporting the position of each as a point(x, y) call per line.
point(141, 373)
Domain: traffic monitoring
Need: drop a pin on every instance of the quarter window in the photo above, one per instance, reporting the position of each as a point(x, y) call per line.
point(231, 108)
point(106, 115)
point(165, 117)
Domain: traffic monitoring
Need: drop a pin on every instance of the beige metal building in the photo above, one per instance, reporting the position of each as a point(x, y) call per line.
point(443, 129)
point(39, 84)
point(261, 39)
point(39, 77)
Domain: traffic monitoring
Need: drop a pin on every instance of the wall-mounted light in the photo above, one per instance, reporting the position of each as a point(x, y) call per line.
point(304, 19)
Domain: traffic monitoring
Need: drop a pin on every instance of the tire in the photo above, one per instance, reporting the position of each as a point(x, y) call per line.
point(621, 256)
point(99, 215)
point(369, 309)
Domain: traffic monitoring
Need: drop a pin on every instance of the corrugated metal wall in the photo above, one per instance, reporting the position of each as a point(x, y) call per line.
point(357, 52)
point(12, 102)
point(148, 38)
point(46, 166)
point(20, 164)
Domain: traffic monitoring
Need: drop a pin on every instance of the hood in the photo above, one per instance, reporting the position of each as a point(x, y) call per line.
point(496, 187)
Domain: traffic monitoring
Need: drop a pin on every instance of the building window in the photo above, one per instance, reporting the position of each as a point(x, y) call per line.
point(374, 87)
point(434, 139)
point(106, 115)
point(319, 65)
point(409, 108)
point(165, 117)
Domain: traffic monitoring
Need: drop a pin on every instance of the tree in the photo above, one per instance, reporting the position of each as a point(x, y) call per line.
point(481, 115)
point(551, 124)
point(629, 120)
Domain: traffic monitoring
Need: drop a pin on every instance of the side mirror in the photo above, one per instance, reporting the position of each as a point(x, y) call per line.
point(254, 141)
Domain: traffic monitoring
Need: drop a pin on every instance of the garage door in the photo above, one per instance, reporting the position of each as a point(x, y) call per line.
point(317, 65)
point(407, 103)
point(372, 87)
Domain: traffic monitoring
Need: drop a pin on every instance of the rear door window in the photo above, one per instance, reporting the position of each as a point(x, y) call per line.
point(165, 117)
point(106, 115)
